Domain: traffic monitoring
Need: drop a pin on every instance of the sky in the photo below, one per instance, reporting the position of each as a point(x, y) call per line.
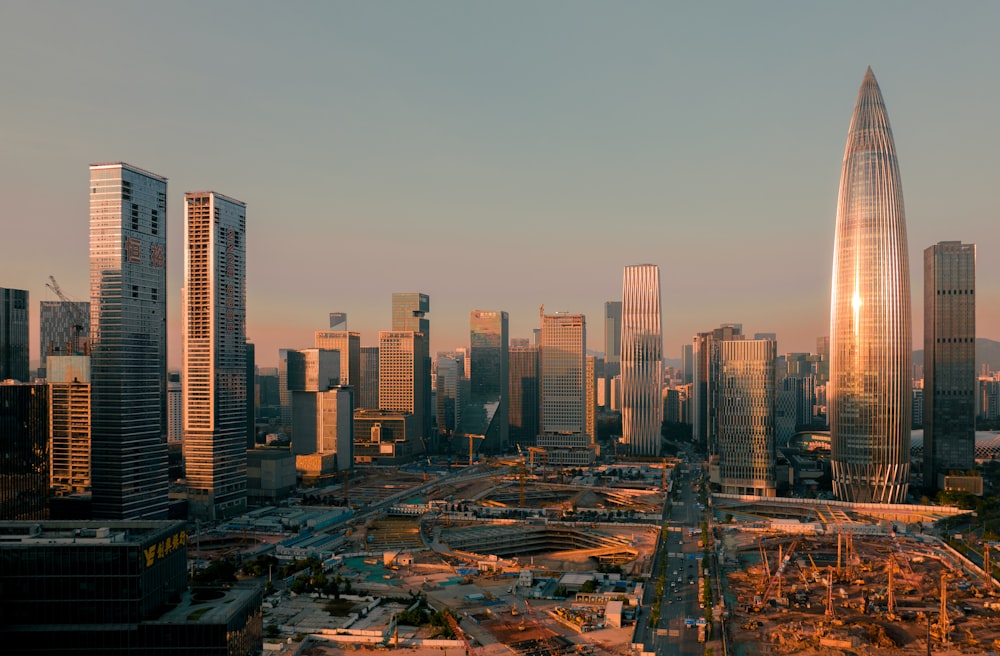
point(500, 155)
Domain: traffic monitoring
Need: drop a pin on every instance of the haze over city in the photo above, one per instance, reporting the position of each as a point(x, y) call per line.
point(500, 156)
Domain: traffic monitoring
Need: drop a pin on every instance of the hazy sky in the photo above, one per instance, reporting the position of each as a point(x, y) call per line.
point(501, 155)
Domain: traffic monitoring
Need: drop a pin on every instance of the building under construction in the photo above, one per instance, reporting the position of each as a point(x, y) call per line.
point(845, 593)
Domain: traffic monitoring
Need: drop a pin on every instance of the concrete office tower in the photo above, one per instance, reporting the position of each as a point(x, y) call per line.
point(590, 377)
point(348, 344)
point(409, 310)
point(746, 417)
point(563, 391)
point(69, 422)
point(338, 321)
point(401, 373)
point(487, 412)
point(214, 377)
point(641, 360)
point(128, 336)
point(63, 328)
point(368, 386)
point(524, 394)
point(24, 467)
point(870, 343)
point(322, 411)
point(14, 335)
point(949, 360)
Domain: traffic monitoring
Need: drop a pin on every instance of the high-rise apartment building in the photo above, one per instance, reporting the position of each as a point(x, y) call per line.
point(870, 343)
point(14, 335)
point(214, 378)
point(949, 360)
point(128, 308)
point(64, 328)
point(641, 360)
point(524, 394)
point(746, 416)
point(284, 395)
point(69, 422)
point(590, 391)
point(409, 314)
point(175, 413)
point(348, 344)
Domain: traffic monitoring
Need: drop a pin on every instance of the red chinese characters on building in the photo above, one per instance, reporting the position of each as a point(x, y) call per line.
point(156, 255)
point(133, 250)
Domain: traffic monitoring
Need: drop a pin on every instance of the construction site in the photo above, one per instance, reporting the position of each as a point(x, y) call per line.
point(852, 593)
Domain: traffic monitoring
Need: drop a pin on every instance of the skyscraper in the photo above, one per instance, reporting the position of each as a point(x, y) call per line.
point(870, 343)
point(563, 390)
point(338, 321)
point(409, 311)
point(128, 308)
point(69, 422)
point(213, 327)
point(487, 412)
point(949, 360)
point(641, 360)
point(348, 344)
point(368, 386)
point(64, 328)
point(401, 372)
point(524, 394)
point(14, 335)
point(746, 417)
point(24, 465)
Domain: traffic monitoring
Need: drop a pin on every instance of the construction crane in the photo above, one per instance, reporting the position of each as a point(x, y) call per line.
point(472, 443)
point(79, 321)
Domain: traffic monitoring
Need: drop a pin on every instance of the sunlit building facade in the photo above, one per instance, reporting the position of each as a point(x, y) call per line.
point(746, 416)
point(214, 377)
point(63, 328)
point(949, 360)
point(349, 346)
point(870, 339)
point(641, 360)
point(128, 334)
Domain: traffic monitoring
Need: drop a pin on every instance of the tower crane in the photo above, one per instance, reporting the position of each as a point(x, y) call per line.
point(79, 321)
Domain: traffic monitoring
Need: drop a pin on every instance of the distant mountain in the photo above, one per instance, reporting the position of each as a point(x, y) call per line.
point(987, 352)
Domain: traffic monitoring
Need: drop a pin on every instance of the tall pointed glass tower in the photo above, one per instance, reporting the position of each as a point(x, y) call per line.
point(870, 344)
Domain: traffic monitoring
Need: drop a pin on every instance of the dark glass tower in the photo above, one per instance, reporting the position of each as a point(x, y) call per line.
point(870, 345)
point(128, 308)
point(949, 360)
point(14, 335)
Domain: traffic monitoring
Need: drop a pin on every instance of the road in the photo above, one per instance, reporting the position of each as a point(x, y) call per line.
point(681, 595)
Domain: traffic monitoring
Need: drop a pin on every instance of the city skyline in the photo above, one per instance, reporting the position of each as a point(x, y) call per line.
point(706, 129)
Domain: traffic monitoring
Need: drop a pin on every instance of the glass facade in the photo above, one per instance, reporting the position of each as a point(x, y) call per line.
point(641, 360)
point(489, 370)
point(348, 344)
point(213, 327)
point(128, 303)
point(746, 416)
point(64, 328)
point(524, 394)
point(24, 451)
point(409, 311)
point(14, 335)
point(870, 343)
point(949, 360)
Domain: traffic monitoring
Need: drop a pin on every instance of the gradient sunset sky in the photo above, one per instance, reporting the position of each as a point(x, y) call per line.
point(501, 155)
